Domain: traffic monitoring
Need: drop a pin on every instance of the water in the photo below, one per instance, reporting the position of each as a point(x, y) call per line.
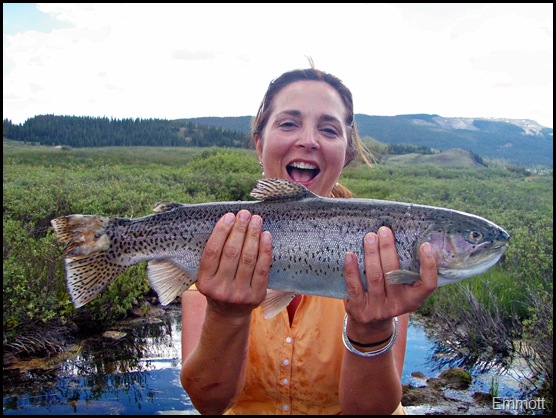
point(430, 357)
point(139, 374)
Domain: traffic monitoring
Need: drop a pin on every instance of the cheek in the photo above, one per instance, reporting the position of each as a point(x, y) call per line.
point(274, 150)
point(335, 156)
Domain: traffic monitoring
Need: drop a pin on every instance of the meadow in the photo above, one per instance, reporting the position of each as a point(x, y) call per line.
point(506, 311)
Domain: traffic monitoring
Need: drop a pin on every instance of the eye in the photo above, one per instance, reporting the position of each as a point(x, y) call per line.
point(475, 236)
point(329, 131)
point(287, 125)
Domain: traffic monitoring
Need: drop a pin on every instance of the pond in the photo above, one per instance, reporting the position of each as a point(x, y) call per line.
point(139, 373)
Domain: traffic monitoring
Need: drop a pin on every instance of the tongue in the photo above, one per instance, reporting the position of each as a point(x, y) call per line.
point(302, 176)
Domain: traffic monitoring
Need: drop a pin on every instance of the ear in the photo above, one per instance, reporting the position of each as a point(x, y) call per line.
point(259, 146)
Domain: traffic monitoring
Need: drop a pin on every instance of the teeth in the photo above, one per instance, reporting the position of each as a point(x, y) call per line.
point(304, 166)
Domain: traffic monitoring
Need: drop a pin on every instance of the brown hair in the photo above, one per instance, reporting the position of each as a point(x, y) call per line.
point(355, 145)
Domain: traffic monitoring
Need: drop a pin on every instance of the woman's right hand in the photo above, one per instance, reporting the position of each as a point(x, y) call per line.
point(233, 272)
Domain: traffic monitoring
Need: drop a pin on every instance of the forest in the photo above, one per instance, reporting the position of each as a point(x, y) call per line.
point(78, 132)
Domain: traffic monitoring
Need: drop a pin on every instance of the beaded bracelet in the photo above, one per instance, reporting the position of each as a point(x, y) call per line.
point(375, 353)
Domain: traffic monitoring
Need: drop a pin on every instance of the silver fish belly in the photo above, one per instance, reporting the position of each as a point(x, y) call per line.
point(310, 236)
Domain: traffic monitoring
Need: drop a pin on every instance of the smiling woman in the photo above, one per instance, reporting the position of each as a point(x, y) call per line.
point(295, 361)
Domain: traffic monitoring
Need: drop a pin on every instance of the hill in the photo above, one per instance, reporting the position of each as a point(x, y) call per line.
point(513, 141)
point(518, 141)
point(455, 157)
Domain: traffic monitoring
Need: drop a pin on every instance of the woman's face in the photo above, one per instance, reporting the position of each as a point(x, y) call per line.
point(305, 139)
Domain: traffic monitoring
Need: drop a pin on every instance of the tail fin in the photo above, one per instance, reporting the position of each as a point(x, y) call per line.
point(88, 271)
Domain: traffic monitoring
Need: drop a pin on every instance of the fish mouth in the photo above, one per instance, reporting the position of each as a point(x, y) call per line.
point(302, 172)
point(479, 262)
point(497, 249)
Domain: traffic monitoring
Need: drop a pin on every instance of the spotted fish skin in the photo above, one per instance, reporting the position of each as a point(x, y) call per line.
point(310, 236)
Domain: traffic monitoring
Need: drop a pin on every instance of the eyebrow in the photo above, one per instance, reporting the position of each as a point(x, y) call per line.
point(297, 113)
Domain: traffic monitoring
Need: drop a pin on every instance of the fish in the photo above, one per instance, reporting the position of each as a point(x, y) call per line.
point(310, 236)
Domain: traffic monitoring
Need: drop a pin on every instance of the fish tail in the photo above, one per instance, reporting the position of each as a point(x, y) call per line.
point(88, 271)
point(84, 234)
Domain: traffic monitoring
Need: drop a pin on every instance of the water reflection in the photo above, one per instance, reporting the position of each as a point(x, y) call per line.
point(139, 373)
point(430, 356)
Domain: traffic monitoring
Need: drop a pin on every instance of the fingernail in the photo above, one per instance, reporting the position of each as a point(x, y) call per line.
point(243, 216)
point(371, 238)
point(266, 237)
point(383, 232)
point(229, 218)
point(427, 248)
point(256, 221)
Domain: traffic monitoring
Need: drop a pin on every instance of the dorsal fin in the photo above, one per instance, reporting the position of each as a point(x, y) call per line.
point(165, 206)
point(280, 189)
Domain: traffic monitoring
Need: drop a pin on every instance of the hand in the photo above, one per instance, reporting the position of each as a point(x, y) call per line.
point(371, 311)
point(233, 272)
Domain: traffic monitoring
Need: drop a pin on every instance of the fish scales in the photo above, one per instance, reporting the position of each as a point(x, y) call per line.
point(310, 236)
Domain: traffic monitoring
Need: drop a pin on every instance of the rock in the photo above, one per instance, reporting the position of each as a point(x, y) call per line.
point(155, 312)
point(114, 335)
point(456, 378)
point(137, 312)
point(482, 398)
point(418, 375)
point(418, 396)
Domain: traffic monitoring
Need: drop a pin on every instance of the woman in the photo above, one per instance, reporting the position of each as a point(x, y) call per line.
point(320, 355)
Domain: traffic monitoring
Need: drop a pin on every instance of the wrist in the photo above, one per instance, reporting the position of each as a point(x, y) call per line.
point(228, 317)
point(368, 333)
point(372, 349)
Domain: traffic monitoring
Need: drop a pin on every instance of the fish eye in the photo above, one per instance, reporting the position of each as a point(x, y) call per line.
point(475, 236)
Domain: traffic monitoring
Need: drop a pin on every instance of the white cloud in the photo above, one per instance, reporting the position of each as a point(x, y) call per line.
point(188, 60)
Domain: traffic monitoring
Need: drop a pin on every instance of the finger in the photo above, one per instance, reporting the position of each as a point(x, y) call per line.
point(212, 252)
point(428, 271)
point(264, 261)
point(250, 250)
point(413, 296)
point(233, 246)
point(355, 290)
point(373, 266)
point(388, 251)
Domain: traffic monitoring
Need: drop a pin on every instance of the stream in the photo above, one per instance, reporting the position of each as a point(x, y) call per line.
point(136, 371)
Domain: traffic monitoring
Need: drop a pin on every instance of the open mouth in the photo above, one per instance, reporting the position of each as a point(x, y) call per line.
point(302, 172)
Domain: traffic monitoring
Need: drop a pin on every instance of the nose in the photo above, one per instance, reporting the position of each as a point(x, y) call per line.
point(308, 139)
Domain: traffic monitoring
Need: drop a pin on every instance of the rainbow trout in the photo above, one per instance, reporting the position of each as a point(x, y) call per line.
point(310, 235)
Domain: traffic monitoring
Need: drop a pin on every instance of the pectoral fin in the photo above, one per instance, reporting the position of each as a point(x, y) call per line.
point(401, 277)
point(275, 301)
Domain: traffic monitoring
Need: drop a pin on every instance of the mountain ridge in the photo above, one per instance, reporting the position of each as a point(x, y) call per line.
point(518, 141)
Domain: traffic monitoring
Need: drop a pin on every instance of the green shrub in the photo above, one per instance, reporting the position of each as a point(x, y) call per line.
point(41, 183)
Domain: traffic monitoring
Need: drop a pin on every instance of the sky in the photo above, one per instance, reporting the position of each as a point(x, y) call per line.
point(173, 61)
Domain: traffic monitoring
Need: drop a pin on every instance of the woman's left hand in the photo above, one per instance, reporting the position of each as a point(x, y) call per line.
point(371, 311)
